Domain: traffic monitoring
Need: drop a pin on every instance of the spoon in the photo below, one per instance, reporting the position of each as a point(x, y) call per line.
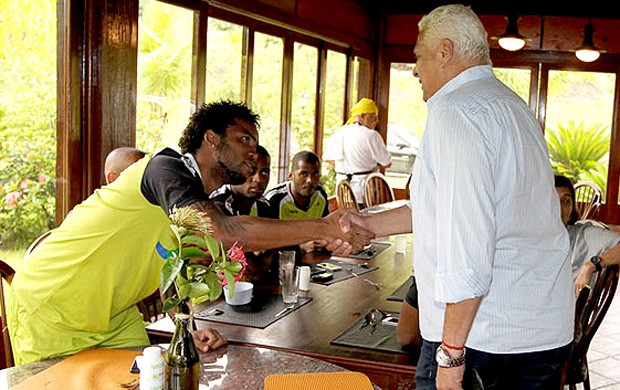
point(377, 285)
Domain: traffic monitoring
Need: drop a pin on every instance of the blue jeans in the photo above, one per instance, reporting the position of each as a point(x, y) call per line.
point(522, 371)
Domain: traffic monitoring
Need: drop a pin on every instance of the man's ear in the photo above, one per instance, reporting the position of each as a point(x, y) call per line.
point(110, 177)
point(291, 175)
point(211, 138)
point(446, 51)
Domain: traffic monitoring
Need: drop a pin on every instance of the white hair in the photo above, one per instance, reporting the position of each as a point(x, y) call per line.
point(461, 25)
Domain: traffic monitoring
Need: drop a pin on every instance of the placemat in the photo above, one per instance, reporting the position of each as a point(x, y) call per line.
point(383, 338)
point(374, 250)
point(400, 293)
point(318, 381)
point(259, 313)
point(348, 271)
point(93, 369)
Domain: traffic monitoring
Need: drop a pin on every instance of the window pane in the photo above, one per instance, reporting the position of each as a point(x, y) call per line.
point(578, 124)
point(334, 109)
point(27, 124)
point(406, 121)
point(224, 59)
point(517, 79)
point(304, 98)
point(164, 74)
point(267, 93)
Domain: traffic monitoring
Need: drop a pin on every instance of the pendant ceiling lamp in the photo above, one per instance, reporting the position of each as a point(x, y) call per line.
point(587, 52)
point(511, 40)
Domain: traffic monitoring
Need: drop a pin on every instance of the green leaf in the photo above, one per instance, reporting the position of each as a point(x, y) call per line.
point(184, 290)
point(213, 246)
point(214, 285)
point(169, 272)
point(193, 239)
point(199, 290)
point(234, 267)
point(170, 303)
point(230, 279)
point(192, 251)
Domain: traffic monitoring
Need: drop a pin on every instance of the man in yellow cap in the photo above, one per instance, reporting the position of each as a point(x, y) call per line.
point(356, 149)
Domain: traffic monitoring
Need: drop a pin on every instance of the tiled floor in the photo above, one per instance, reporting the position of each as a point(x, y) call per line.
point(604, 351)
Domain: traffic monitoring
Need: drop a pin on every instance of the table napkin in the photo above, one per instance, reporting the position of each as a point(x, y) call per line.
point(93, 369)
point(319, 381)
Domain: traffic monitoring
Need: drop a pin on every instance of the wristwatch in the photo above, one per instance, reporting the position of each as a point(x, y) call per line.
point(446, 361)
point(596, 260)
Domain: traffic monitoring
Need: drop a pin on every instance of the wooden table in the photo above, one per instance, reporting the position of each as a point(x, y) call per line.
point(231, 367)
point(310, 329)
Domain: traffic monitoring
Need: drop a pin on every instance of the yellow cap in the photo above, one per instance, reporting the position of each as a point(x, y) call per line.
point(364, 106)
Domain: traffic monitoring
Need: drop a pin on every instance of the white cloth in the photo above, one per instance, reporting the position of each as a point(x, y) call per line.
point(587, 239)
point(356, 148)
point(486, 220)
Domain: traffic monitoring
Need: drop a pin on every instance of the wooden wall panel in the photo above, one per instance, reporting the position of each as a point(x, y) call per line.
point(342, 15)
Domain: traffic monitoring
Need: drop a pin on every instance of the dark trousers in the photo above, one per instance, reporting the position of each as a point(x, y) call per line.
point(522, 371)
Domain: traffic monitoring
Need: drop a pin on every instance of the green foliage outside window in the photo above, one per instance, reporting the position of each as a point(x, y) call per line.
point(27, 120)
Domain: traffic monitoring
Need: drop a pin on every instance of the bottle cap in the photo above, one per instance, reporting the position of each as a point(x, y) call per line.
point(151, 352)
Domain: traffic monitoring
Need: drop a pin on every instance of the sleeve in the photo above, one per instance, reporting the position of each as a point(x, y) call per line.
point(412, 295)
point(379, 150)
point(168, 182)
point(463, 163)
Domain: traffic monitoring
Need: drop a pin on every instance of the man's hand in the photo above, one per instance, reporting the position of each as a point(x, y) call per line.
point(583, 277)
point(450, 378)
point(208, 339)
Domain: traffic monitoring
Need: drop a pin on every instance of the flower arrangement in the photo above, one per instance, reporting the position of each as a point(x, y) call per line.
point(194, 279)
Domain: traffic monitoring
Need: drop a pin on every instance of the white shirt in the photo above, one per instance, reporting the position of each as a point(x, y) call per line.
point(487, 220)
point(356, 148)
point(587, 239)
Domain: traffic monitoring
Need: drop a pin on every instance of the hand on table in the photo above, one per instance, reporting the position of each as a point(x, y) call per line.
point(208, 339)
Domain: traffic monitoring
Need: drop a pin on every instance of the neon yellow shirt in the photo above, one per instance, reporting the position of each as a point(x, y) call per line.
point(80, 286)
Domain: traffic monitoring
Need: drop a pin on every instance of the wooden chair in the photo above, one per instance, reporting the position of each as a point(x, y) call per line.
point(151, 307)
point(587, 199)
point(590, 309)
point(6, 273)
point(35, 243)
point(408, 186)
point(377, 190)
point(345, 196)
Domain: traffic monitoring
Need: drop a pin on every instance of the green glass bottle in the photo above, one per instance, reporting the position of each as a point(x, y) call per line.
point(182, 370)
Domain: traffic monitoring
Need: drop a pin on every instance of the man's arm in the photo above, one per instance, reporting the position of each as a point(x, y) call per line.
point(256, 234)
point(457, 324)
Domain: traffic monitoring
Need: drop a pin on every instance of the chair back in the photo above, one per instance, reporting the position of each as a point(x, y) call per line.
point(6, 273)
point(587, 199)
point(345, 196)
point(590, 309)
point(377, 190)
point(35, 243)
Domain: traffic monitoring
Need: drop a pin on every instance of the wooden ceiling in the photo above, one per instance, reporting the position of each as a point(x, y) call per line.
point(589, 9)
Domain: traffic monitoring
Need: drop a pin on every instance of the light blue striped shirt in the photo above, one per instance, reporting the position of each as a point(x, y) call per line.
point(486, 220)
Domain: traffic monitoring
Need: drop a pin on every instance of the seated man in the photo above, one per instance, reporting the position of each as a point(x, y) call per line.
point(80, 286)
point(301, 197)
point(247, 198)
point(118, 159)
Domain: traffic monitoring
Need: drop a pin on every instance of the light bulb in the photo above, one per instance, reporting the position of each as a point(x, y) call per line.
point(587, 55)
point(511, 43)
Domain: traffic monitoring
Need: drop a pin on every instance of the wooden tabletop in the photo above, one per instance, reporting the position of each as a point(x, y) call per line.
point(333, 309)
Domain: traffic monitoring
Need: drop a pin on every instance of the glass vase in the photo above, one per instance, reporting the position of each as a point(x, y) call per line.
point(182, 370)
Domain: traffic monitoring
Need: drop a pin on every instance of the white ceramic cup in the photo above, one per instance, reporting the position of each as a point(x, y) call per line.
point(304, 278)
point(242, 294)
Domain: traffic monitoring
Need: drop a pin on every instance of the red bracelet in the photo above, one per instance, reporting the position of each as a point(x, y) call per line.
point(448, 346)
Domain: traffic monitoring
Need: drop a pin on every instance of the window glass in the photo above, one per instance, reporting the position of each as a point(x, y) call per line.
point(334, 109)
point(304, 98)
point(27, 124)
point(224, 60)
point(164, 74)
point(516, 79)
point(578, 124)
point(406, 120)
point(267, 94)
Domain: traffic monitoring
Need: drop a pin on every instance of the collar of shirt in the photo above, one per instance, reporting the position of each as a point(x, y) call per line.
point(470, 74)
point(192, 164)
